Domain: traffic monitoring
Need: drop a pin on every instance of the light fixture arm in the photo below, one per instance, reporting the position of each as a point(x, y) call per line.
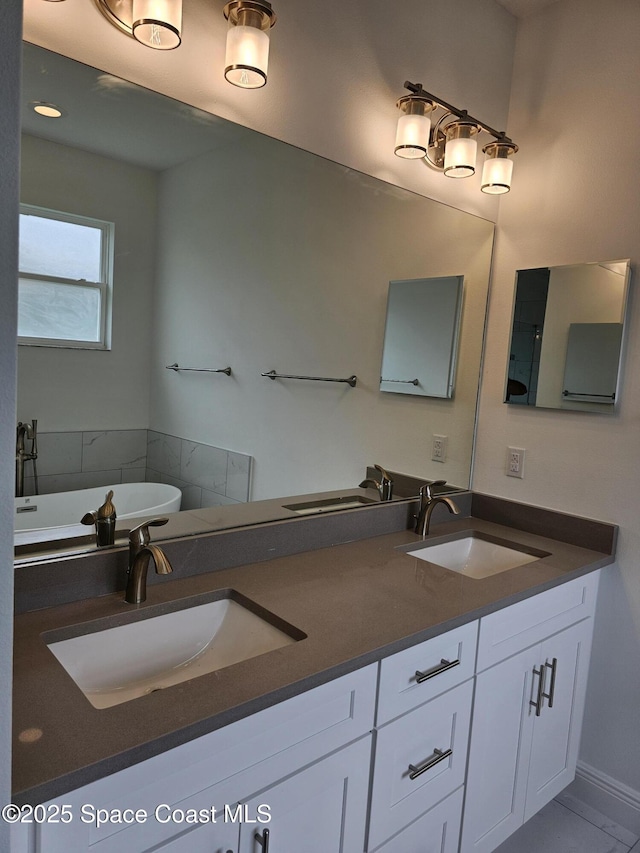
point(463, 115)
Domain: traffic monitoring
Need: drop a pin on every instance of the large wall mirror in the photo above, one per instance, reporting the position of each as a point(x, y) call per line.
point(566, 338)
point(233, 249)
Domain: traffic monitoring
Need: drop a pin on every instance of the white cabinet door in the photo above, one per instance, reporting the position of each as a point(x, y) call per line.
point(525, 735)
point(556, 736)
point(501, 734)
point(212, 838)
point(322, 809)
point(20, 838)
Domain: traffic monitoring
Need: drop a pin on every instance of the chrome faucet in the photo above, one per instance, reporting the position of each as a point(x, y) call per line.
point(31, 433)
point(140, 552)
point(428, 502)
point(384, 485)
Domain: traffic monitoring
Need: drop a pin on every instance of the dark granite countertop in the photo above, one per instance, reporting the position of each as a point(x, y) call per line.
point(356, 602)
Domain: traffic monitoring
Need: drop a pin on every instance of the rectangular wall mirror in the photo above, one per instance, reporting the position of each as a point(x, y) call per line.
point(233, 249)
point(421, 336)
point(566, 337)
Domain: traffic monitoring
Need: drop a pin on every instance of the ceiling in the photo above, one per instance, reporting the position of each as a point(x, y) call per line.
point(524, 8)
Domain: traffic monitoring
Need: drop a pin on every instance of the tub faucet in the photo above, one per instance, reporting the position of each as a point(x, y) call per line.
point(140, 552)
point(428, 502)
point(384, 485)
point(30, 432)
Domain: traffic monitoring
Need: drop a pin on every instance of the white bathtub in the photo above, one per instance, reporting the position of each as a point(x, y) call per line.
point(42, 518)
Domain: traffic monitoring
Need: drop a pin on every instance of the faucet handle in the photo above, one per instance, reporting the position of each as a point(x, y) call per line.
point(382, 471)
point(386, 484)
point(426, 488)
point(140, 535)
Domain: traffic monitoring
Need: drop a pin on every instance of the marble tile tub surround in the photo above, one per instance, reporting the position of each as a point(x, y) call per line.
point(86, 459)
point(207, 476)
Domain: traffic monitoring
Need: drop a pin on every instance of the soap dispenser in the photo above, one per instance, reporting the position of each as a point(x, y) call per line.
point(104, 519)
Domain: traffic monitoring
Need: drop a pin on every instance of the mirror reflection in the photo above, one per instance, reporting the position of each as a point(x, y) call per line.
point(566, 338)
point(421, 336)
point(232, 250)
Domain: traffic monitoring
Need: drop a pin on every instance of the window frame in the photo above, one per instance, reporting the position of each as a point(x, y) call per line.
point(104, 287)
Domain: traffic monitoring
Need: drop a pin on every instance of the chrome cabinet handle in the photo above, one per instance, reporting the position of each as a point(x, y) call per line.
point(552, 688)
point(263, 839)
point(537, 703)
point(443, 666)
point(438, 756)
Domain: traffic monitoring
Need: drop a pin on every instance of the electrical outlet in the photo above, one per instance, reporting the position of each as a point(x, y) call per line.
point(439, 448)
point(515, 462)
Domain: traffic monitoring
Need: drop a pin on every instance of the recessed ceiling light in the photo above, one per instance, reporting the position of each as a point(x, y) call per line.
point(45, 109)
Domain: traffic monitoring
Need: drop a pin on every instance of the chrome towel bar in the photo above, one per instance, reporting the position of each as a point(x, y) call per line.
point(176, 367)
point(271, 374)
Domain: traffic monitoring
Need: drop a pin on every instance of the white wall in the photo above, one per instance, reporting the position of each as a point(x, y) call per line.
point(270, 258)
point(336, 71)
point(74, 389)
point(10, 23)
point(576, 86)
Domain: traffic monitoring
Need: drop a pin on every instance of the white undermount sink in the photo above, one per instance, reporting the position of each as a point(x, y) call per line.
point(329, 504)
point(121, 663)
point(475, 556)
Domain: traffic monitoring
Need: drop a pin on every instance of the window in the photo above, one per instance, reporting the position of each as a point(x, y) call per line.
point(64, 291)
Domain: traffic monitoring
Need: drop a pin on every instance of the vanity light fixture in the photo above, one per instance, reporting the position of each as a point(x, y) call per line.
point(154, 23)
point(414, 127)
point(461, 149)
point(450, 144)
point(247, 54)
point(498, 168)
point(157, 23)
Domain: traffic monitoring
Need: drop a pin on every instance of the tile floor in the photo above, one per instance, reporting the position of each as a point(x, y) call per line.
point(568, 825)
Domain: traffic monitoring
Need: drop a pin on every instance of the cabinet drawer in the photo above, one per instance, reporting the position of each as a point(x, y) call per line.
point(438, 831)
point(220, 768)
point(521, 625)
point(419, 759)
point(416, 675)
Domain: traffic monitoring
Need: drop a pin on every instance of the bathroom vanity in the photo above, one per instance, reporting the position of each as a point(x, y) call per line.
point(408, 690)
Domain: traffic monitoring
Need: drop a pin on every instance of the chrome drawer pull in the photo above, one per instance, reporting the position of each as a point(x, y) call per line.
point(537, 704)
point(439, 756)
point(443, 666)
point(552, 689)
point(263, 839)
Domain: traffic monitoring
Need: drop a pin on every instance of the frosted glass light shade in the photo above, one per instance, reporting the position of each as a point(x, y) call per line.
point(461, 149)
point(157, 23)
point(498, 167)
point(496, 175)
point(412, 136)
point(247, 57)
point(460, 158)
